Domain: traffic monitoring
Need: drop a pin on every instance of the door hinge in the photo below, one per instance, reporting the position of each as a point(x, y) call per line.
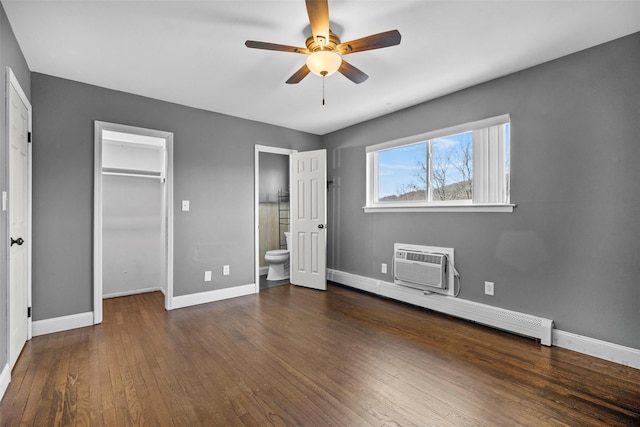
point(28, 136)
point(29, 312)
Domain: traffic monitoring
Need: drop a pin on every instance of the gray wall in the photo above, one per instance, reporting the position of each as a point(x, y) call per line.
point(213, 168)
point(10, 56)
point(569, 251)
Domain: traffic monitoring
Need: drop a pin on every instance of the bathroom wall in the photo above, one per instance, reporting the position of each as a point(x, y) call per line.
point(274, 177)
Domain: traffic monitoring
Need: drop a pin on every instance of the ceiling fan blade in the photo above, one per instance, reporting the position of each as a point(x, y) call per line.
point(273, 46)
point(375, 41)
point(352, 73)
point(299, 75)
point(318, 11)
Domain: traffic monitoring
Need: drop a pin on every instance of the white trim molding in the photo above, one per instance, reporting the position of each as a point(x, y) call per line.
point(211, 296)
point(622, 355)
point(132, 292)
point(496, 317)
point(63, 323)
point(137, 134)
point(81, 320)
point(611, 352)
point(442, 208)
point(5, 379)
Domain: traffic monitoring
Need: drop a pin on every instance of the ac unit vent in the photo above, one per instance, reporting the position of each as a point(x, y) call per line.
point(422, 257)
point(421, 270)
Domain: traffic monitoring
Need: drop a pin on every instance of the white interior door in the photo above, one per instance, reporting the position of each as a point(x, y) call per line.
point(19, 109)
point(308, 206)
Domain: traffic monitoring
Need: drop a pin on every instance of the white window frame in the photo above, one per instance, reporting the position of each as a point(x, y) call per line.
point(489, 157)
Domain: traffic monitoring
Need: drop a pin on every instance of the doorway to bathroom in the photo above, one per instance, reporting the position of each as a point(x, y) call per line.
point(307, 253)
point(133, 219)
point(272, 216)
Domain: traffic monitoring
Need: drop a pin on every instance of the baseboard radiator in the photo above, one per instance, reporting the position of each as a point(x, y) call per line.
point(499, 318)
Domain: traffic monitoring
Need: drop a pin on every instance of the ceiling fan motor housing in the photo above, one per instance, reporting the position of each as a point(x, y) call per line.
point(322, 44)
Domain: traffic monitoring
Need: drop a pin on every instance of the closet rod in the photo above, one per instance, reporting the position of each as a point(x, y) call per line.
point(137, 175)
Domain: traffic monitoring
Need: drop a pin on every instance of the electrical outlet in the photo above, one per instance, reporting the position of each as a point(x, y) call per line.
point(384, 268)
point(225, 270)
point(207, 276)
point(488, 288)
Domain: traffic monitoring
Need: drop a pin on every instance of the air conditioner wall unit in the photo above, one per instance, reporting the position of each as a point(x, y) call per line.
point(423, 267)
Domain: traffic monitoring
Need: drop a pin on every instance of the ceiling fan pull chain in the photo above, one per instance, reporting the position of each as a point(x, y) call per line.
point(324, 74)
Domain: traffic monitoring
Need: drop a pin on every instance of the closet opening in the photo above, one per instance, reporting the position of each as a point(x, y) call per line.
point(132, 213)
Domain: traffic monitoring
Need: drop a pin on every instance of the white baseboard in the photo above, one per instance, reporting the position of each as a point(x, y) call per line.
point(132, 292)
point(211, 296)
point(601, 349)
point(496, 317)
point(5, 379)
point(354, 281)
point(264, 271)
point(626, 356)
point(64, 323)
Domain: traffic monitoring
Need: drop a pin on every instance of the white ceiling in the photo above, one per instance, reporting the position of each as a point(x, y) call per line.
point(193, 53)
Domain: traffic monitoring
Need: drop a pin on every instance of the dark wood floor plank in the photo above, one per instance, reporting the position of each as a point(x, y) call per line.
point(293, 356)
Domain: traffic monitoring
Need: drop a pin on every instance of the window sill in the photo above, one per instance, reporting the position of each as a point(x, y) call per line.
point(441, 208)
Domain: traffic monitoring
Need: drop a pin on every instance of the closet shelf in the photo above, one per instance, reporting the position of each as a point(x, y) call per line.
point(141, 173)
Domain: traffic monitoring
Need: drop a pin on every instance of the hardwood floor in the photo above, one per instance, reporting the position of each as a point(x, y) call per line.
point(292, 356)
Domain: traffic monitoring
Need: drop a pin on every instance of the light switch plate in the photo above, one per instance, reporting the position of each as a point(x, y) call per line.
point(185, 206)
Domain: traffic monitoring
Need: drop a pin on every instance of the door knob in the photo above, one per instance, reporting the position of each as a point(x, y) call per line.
point(320, 225)
point(19, 241)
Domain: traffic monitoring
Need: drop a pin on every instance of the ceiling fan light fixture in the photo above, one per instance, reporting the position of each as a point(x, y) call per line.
point(324, 62)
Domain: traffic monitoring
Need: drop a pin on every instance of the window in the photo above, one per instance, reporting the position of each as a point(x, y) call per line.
point(464, 167)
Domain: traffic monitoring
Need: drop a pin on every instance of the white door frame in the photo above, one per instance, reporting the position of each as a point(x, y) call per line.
point(12, 81)
point(256, 204)
point(167, 261)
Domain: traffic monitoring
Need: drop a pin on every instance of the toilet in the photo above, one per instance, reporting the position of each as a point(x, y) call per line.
point(278, 261)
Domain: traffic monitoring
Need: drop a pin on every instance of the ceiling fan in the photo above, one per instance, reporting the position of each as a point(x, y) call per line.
point(324, 48)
